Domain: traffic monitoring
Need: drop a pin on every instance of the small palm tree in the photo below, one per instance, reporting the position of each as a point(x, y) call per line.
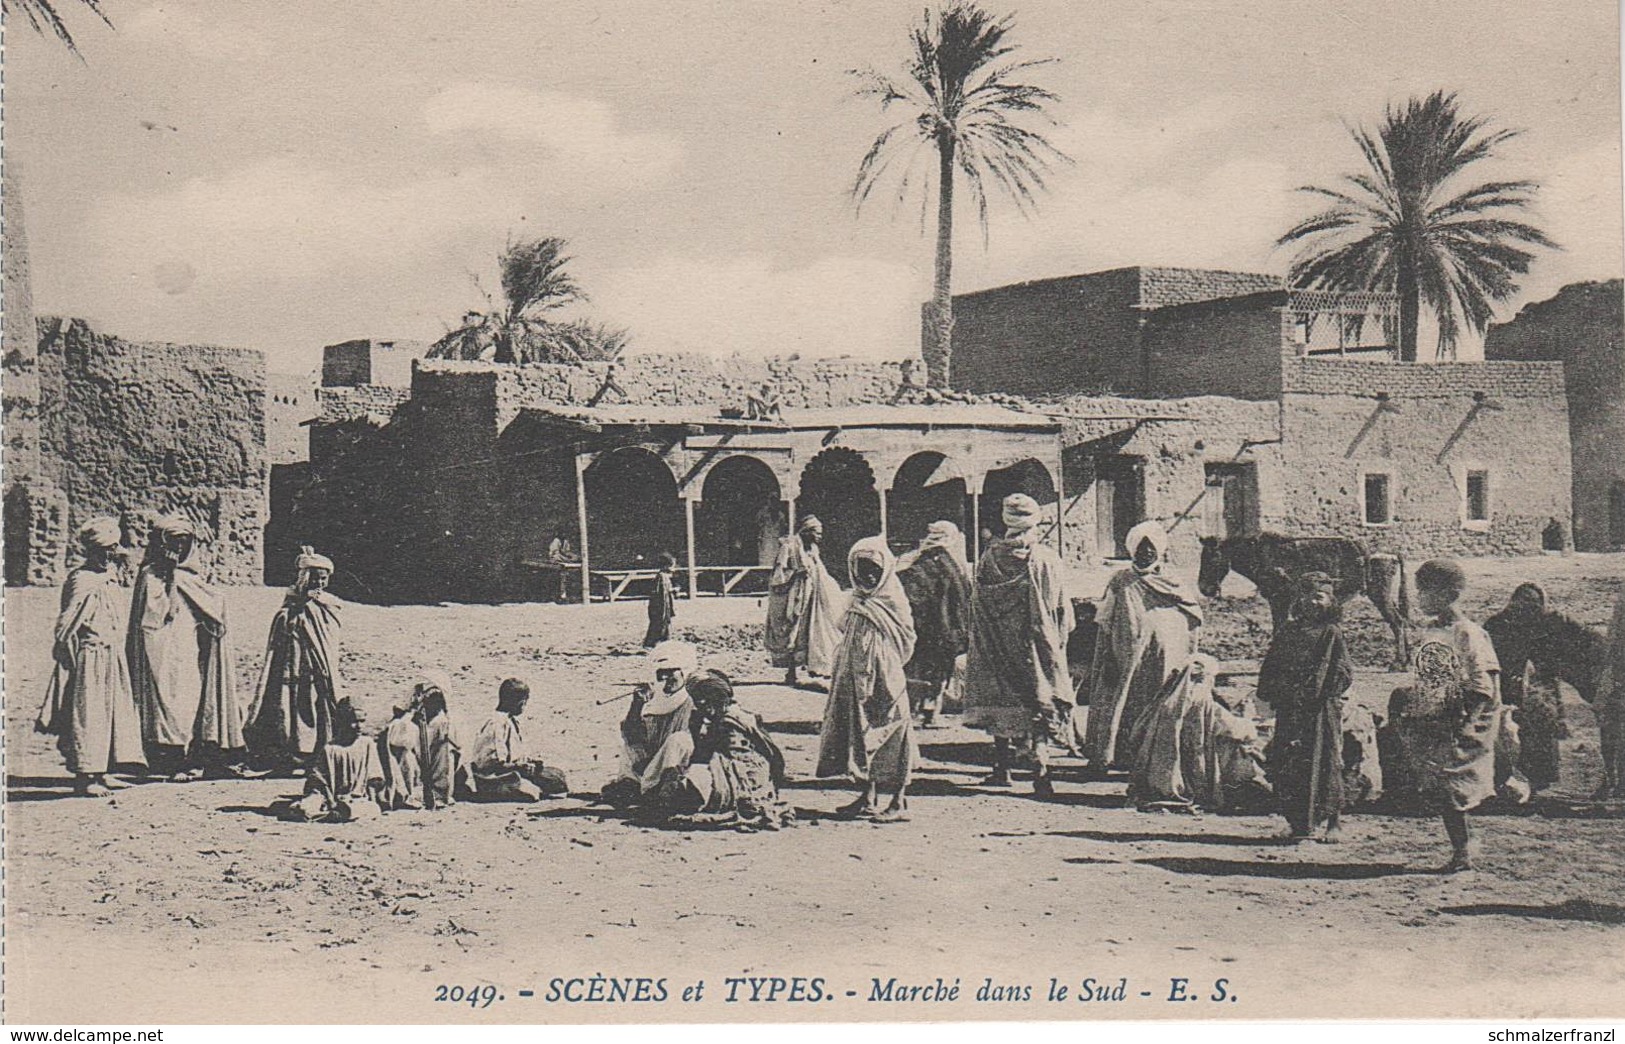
point(534, 284)
point(43, 15)
point(1407, 227)
point(958, 95)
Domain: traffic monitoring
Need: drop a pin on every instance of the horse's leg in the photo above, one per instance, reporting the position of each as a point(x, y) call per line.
point(1610, 716)
point(1380, 589)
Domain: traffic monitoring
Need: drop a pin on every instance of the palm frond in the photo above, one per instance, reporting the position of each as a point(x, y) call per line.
point(1387, 226)
point(43, 16)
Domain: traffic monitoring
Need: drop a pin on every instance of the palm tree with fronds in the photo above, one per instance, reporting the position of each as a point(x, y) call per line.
point(1409, 226)
point(535, 284)
point(960, 95)
point(43, 16)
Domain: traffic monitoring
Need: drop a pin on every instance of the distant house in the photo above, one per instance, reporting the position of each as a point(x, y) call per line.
point(1582, 327)
point(1221, 403)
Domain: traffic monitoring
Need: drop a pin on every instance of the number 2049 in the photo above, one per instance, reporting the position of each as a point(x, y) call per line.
point(473, 996)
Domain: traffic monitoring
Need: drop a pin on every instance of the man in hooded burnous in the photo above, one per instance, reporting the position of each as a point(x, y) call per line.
point(801, 626)
point(1016, 680)
point(1148, 623)
point(299, 684)
point(180, 662)
point(936, 578)
point(88, 705)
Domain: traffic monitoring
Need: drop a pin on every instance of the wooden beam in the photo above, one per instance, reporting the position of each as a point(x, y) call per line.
point(581, 524)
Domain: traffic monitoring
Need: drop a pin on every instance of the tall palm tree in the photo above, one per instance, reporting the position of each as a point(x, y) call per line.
point(1409, 227)
point(958, 95)
point(522, 329)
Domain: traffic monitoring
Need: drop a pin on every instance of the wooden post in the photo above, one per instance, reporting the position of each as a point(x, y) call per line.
point(1060, 508)
point(976, 523)
point(581, 524)
point(693, 574)
point(884, 509)
point(792, 516)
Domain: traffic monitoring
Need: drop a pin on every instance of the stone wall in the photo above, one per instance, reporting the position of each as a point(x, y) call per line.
point(1227, 347)
point(138, 429)
point(1426, 426)
point(675, 380)
point(1174, 441)
point(290, 403)
point(1584, 329)
point(1076, 334)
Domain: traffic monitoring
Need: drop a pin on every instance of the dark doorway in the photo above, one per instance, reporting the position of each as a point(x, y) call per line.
point(1024, 476)
point(839, 487)
point(19, 535)
point(1119, 501)
point(633, 512)
point(921, 494)
point(738, 519)
point(1230, 505)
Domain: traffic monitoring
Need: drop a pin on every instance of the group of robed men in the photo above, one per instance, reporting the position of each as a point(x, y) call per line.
point(144, 681)
point(160, 692)
point(1147, 702)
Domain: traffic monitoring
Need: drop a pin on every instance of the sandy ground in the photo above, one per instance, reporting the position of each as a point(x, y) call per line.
point(190, 903)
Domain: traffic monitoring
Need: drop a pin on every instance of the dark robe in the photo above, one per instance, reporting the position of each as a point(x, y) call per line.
point(299, 685)
point(1304, 677)
point(1530, 686)
point(662, 607)
point(939, 594)
point(1016, 681)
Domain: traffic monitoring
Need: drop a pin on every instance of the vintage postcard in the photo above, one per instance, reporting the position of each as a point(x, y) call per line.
point(565, 512)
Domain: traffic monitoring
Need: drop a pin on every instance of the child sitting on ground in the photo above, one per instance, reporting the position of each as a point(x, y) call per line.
point(345, 777)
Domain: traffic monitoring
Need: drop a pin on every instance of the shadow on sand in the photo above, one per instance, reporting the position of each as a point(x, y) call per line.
point(1568, 910)
point(1205, 867)
point(1240, 840)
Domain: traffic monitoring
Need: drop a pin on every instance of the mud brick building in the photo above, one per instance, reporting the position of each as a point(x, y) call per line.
point(134, 430)
point(1583, 328)
point(1242, 405)
point(456, 487)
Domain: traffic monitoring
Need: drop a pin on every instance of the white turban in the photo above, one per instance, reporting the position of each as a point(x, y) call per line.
point(674, 654)
point(309, 559)
point(1020, 513)
point(101, 533)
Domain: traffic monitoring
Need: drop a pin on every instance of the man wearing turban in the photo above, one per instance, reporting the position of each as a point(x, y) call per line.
point(1304, 676)
point(180, 661)
point(801, 626)
point(88, 705)
point(1016, 681)
point(936, 579)
point(1147, 634)
point(299, 685)
point(656, 744)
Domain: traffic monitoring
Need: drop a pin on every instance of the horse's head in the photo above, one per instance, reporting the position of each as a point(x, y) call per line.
point(1215, 567)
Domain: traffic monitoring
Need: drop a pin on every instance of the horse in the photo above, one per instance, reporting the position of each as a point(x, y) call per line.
point(1273, 561)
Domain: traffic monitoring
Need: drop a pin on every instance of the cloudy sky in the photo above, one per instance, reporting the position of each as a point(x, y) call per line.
point(281, 174)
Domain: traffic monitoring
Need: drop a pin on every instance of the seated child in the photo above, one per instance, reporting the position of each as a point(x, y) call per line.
point(503, 767)
point(345, 778)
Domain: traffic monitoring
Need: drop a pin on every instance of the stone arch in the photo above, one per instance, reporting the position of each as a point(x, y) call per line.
point(919, 496)
point(740, 515)
point(1030, 476)
point(838, 486)
point(633, 511)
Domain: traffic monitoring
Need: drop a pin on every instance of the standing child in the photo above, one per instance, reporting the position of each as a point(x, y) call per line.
point(1449, 717)
point(1304, 677)
point(662, 604)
